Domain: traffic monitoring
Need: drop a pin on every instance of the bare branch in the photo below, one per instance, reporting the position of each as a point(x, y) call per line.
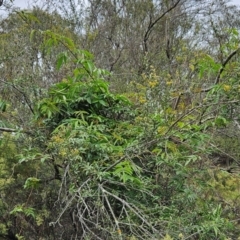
point(135, 211)
point(114, 217)
point(28, 102)
point(152, 24)
point(68, 204)
point(13, 130)
point(230, 56)
point(8, 129)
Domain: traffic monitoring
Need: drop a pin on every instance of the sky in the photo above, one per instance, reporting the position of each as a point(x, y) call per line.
point(24, 3)
point(236, 2)
point(21, 3)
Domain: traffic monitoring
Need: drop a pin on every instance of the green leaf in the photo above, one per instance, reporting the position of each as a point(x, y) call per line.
point(105, 104)
point(181, 124)
point(17, 209)
point(125, 171)
point(3, 106)
point(89, 66)
point(62, 59)
point(89, 100)
point(69, 42)
point(32, 34)
point(31, 182)
point(30, 212)
point(221, 121)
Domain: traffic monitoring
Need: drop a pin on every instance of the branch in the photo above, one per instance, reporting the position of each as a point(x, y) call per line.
point(114, 164)
point(28, 102)
point(230, 56)
point(8, 129)
point(152, 24)
point(133, 209)
point(226, 154)
point(195, 108)
point(114, 217)
point(13, 130)
point(69, 202)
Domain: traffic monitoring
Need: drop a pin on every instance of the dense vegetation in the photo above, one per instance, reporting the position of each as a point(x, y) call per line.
point(120, 120)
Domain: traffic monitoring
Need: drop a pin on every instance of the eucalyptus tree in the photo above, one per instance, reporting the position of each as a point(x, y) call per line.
point(126, 37)
point(27, 69)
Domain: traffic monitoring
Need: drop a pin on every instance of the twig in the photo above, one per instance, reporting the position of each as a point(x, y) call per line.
point(114, 164)
point(190, 236)
point(195, 108)
point(68, 204)
point(114, 217)
point(226, 154)
point(131, 208)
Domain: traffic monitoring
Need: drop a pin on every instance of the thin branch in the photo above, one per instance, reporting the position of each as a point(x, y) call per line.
point(217, 80)
point(225, 154)
point(114, 164)
point(68, 204)
point(190, 236)
point(28, 102)
point(230, 56)
point(3, 129)
point(132, 209)
point(8, 129)
point(237, 124)
point(193, 109)
point(89, 230)
point(152, 24)
point(114, 217)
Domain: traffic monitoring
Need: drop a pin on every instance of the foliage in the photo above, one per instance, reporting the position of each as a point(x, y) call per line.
point(86, 162)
